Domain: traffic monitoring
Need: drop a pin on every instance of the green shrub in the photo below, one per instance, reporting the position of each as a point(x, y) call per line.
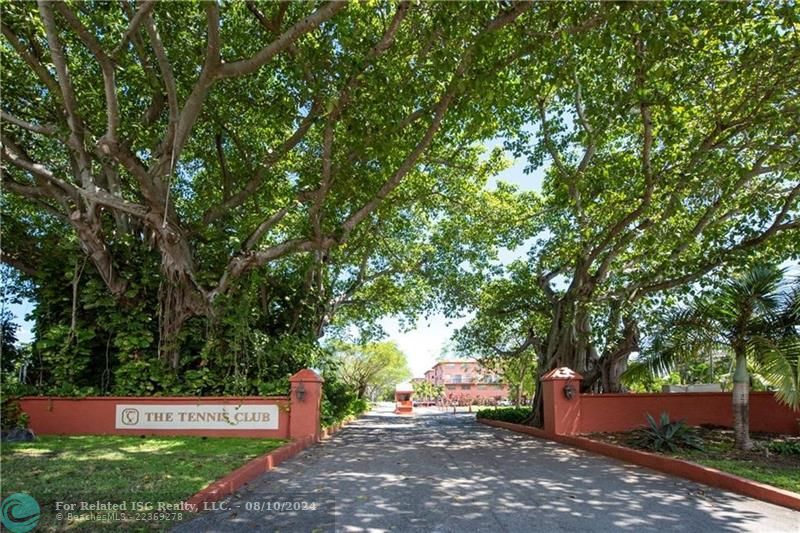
point(12, 415)
point(358, 407)
point(515, 415)
point(784, 447)
point(339, 401)
point(666, 435)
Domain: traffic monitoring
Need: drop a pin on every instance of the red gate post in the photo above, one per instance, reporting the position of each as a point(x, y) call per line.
point(562, 401)
point(305, 404)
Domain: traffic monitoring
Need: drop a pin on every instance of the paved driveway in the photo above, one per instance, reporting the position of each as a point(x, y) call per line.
point(444, 472)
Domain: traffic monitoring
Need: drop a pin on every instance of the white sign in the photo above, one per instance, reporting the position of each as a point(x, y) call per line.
point(192, 416)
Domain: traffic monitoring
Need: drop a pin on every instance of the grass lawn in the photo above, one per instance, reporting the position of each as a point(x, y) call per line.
point(778, 470)
point(758, 464)
point(120, 469)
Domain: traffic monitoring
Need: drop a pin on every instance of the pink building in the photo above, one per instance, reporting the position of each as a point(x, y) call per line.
point(463, 380)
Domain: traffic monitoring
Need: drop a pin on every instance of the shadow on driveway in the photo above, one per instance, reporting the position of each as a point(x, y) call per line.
point(444, 472)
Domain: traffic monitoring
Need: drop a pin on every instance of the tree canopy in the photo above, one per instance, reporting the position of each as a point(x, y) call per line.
point(668, 136)
point(373, 369)
point(194, 191)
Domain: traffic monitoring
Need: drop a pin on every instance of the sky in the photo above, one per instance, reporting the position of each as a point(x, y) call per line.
point(427, 340)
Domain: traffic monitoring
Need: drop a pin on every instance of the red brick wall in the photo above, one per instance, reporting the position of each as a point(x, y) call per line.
point(96, 415)
point(620, 412)
point(597, 413)
point(298, 413)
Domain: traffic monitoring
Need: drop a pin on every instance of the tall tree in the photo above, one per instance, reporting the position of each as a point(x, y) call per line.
point(504, 335)
point(8, 340)
point(227, 138)
point(671, 137)
point(425, 390)
point(372, 369)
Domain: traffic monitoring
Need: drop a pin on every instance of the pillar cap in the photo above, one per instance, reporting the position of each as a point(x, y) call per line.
point(561, 374)
point(307, 375)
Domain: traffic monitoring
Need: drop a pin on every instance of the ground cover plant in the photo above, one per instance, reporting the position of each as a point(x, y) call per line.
point(116, 469)
point(772, 460)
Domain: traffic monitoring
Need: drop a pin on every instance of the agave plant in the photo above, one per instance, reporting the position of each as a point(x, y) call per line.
point(752, 318)
point(666, 435)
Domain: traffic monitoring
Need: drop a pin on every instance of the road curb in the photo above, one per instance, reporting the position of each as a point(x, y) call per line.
point(230, 483)
point(668, 465)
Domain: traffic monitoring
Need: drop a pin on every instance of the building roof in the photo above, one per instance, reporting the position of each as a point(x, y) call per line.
point(463, 363)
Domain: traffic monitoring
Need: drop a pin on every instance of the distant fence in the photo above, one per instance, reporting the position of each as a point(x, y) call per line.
point(295, 416)
point(570, 413)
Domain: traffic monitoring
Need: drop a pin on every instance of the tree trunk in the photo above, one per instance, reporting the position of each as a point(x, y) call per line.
point(537, 405)
point(741, 402)
point(569, 339)
point(611, 365)
point(178, 302)
point(611, 370)
point(568, 344)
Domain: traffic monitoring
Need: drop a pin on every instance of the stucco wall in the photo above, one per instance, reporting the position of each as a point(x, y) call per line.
point(620, 412)
point(298, 413)
point(97, 415)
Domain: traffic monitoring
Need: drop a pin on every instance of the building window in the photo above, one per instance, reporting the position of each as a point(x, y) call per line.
point(465, 387)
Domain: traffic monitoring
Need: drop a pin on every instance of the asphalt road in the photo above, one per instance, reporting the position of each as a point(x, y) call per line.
point(443, 472)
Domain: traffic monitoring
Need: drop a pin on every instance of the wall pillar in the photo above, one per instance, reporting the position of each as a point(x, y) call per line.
point(305, 404)
point(562, 414)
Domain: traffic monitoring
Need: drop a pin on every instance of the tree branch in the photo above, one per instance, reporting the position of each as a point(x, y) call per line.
point(67, 92)
point(141, 14)
point(647, 171)
point(46, 129)
point(172, 147)
point(778, 225)
point(214, 213)
point(43, 74)
point(167, 75)
point(307, 24)
point(13, 154)
point(106, 66)
point(438, 116)
point(265, 226)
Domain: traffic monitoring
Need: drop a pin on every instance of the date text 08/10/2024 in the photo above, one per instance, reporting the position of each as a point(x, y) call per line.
point(275, 505)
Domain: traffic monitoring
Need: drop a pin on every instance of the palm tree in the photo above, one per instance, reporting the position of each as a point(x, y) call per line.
point(750, 316)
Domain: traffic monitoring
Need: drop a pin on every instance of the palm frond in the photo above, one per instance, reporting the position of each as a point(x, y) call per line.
point(781, 369)
point(753, 308)
point(757, 289)
point(790, 314)
point(686, 334)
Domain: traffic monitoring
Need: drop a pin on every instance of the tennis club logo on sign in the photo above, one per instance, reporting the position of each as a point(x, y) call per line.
point(212, 416)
